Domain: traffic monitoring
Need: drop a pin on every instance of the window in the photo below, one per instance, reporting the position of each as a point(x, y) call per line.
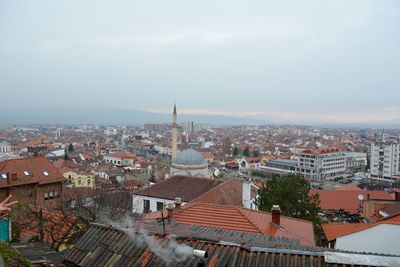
point(51, 195)
point(146, 205)
point(46, 195)
point(160, 205)
point(26, 173)
point(4, 176)
point(55, 193)
point(46, 173)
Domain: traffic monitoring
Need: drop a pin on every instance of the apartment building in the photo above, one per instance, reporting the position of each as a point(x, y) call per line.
point(385, 160)
point(322, 164)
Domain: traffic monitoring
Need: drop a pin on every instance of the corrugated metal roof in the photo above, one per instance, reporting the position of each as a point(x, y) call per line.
point(106, 246)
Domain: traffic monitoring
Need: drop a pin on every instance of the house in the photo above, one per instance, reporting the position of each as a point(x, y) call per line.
point(240, 219)
point(208, 156)
point(129, 246)
point(31, 181)
point(156, 196)
point(80, 178)
point(249, 163)
point(121, 159)
point(380, 237)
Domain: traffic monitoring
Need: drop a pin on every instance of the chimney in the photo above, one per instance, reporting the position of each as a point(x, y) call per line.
point(276, 214)
point(170, 209)
point(246, 194)
point(178, 203)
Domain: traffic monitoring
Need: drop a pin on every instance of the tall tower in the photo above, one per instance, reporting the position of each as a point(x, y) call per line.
point(174, 135)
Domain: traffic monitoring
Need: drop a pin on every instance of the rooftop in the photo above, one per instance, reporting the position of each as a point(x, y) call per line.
point(228, 193)
point(189, 157)
point(27, 171)
point(335, 230)
point(243, 220)
point(107, 246)
point(185, 187)
point(320, 151)
point(347, 199)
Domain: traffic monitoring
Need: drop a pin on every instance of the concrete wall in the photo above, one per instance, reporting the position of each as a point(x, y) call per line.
point(137, 203)
point(383, 238)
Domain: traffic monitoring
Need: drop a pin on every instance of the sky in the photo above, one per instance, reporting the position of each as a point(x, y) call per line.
point(328, 61)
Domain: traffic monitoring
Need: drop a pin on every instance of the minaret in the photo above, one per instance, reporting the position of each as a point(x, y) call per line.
point(174, 135)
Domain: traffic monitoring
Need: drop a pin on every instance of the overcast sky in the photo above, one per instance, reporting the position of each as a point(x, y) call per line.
point(285, 60)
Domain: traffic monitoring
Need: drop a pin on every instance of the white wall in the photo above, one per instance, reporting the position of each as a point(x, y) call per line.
point(383, 238)
point(137, 203)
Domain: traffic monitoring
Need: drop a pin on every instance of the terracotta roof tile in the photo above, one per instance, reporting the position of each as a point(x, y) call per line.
point(185, 187)
point(347, 199)
point(28, 171)
point(245, 220)
point(333, 231)
point(350, 187)
point(227, 193)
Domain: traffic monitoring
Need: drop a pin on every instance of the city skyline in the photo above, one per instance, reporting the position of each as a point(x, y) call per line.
point(334, 62)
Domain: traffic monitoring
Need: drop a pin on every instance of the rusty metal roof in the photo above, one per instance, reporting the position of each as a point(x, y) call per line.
point(107, 246)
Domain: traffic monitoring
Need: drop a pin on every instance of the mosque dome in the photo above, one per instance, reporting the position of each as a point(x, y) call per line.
point(189, 157)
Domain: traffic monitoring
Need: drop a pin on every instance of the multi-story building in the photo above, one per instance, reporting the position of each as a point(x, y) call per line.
point(385, 160)
point(322, 164)
point(32, 181)
point(356, 161)
point(80, 179)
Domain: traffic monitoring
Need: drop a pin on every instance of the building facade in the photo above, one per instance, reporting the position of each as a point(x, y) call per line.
point(385, 160)
point(322, 164)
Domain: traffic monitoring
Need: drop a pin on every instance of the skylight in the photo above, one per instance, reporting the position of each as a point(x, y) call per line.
point(26, 173)
point(46, 173)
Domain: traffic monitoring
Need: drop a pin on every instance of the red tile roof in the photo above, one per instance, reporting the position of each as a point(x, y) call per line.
point(207, 155)
point(122, 155)
point(35, 168)
point(244, 220)
point(320, 151)
point(185, 187)
point(333, 231)
point(227, 193)
point(347, 199)
point(350, 187)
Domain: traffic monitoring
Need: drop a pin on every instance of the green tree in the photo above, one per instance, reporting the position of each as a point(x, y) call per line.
point(291, 194)
point(70, 148)
point(256, 153)
point(235, 151)
point(246, 152)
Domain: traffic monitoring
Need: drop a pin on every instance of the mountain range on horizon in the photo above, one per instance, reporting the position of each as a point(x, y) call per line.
point(110, 116)
point(113, 116)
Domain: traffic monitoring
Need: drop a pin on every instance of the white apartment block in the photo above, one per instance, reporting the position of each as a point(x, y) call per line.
point(322, 164)
point(385, 160)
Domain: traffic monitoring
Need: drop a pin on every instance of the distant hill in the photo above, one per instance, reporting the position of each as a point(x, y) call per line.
point(111, 116)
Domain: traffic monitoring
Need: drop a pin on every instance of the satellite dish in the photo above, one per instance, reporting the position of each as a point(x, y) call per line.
point(360, 197)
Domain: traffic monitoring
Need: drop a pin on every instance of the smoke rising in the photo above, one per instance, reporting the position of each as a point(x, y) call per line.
point(167, 249)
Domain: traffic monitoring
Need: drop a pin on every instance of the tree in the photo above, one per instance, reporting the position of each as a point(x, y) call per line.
point(70, 147)
point(235, 151)
point(291, 194)
point(256, 153)
point(246, 152)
